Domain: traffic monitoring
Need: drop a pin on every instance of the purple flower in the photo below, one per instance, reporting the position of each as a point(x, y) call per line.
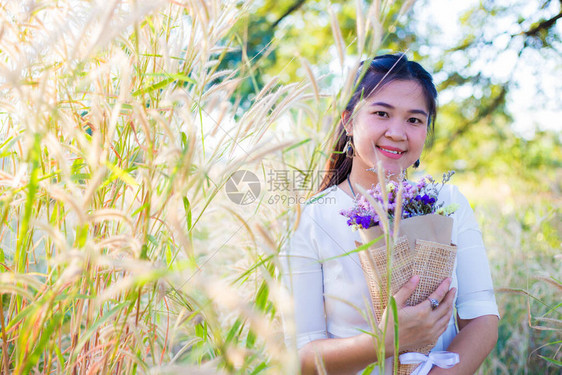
point(417, 199)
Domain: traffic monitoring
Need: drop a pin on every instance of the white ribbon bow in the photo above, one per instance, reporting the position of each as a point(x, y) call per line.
point(440, 359)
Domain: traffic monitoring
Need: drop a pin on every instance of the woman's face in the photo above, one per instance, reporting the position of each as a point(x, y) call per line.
point(390, 126)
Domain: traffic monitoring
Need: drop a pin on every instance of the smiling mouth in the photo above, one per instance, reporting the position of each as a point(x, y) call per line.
point(391, 151)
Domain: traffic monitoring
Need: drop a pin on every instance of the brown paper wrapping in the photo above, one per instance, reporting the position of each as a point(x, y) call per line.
point(423, 248)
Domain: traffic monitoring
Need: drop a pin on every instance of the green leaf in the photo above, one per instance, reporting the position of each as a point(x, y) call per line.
point(357, 250)
point(144, 252)
point(153, 240)
point(247, 273)
point(552, 360)
point(84, 337)
point(158, 85)
point(33, 186)
point(46, 334)
point(121, 174)
point(201, 330)
point(169, 256)
point(297, 145)
point(81, 235)
point(235, 329)
point(394, 309)
point(554, 308)
point(153, 87)
point(58, 352)
point(261, 297)
point(187, 208)
point(262, 366)
point(250, 340)
point(369, 369)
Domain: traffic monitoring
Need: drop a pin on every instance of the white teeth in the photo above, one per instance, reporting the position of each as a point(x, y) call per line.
point(392, 152)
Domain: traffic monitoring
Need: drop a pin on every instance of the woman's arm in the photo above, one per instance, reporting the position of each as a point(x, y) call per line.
point(338, 356)
point(475, 300)
point(476, 339)
point(418, 325)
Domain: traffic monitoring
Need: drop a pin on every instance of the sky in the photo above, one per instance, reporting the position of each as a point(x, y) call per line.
point(535, 95)
point(535, 99)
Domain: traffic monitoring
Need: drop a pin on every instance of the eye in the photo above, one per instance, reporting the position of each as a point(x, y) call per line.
point(415, 120)
point(380, 113)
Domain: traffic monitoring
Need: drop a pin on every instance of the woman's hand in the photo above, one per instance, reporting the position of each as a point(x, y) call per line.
point(419, 325)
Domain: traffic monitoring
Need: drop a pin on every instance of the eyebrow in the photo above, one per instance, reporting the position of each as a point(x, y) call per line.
point(386, 105)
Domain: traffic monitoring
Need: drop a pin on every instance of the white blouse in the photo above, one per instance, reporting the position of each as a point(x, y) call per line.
point(329, 290)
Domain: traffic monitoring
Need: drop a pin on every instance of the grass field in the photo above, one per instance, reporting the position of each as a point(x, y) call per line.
point(522, 233)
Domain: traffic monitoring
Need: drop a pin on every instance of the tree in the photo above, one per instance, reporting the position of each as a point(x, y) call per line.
point(477, 72)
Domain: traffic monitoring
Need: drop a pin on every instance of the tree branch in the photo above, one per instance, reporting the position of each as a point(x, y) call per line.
point(483, 113)
point(543, 25)
point(294, 7)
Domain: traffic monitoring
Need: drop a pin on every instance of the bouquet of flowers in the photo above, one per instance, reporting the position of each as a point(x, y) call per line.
point(421, 229)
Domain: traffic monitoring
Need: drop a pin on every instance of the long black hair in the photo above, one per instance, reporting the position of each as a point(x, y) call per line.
point(378, 72)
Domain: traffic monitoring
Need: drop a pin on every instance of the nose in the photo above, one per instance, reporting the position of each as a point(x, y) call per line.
point(396, 130)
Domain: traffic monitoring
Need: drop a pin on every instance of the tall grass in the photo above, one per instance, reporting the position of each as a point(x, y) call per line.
point(522, 233)
point(119, 250)
point(117, 137)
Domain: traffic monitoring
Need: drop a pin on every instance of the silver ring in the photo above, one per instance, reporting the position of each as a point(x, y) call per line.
point(434, 303)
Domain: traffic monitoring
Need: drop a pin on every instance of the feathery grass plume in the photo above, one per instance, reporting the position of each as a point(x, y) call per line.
point(398, 216)
point(374, 22)
point(378, 334)
point(116, 133)
point(338, 38)
point(310, 75)
point(361, 26)
point(381, 176)
point(405, 7)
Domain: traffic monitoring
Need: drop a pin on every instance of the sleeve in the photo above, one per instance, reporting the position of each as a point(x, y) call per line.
point(475, 295)
point(301, 272)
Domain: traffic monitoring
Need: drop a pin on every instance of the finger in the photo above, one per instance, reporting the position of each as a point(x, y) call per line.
point(440, 292)
point(446, 305)
point(445, 317)
point(441, 316)
point(449, 298)
point(406, 291)
point(442, 324)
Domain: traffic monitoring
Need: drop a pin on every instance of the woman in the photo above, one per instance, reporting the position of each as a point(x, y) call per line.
point(387, 120)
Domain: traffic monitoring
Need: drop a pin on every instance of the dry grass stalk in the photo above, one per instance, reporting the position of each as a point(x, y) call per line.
point(115, 171)
point(338, 38)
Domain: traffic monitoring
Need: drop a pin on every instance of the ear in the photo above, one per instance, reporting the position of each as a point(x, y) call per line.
point(347, 122)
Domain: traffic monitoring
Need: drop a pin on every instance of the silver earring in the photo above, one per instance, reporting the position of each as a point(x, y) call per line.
point(349, 149)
